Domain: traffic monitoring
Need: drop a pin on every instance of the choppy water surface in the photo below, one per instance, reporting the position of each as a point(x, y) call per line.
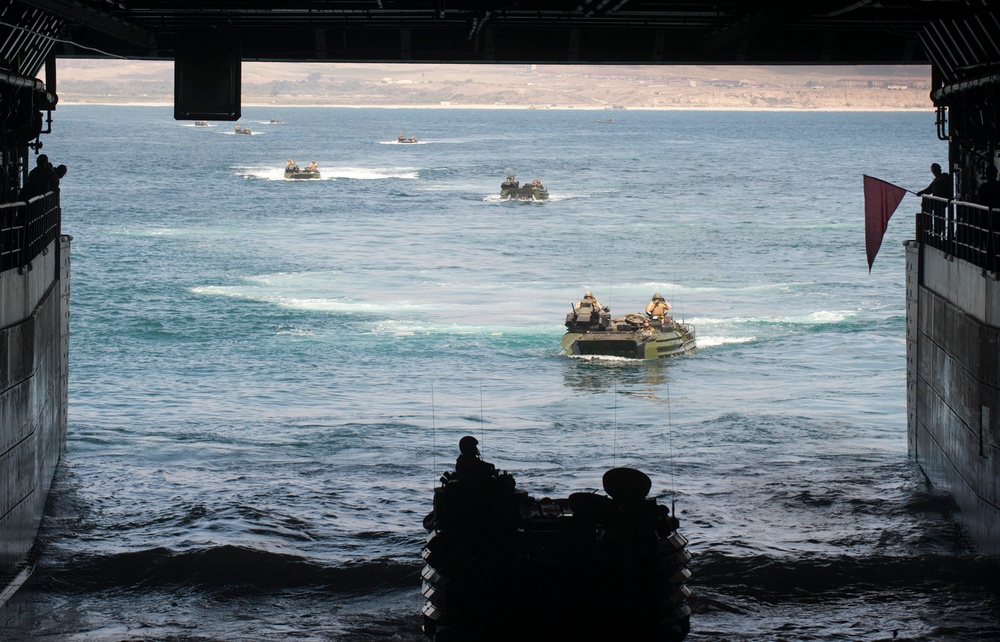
point(268, 376)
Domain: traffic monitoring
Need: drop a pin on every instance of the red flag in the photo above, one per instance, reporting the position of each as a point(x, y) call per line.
point(881, 200)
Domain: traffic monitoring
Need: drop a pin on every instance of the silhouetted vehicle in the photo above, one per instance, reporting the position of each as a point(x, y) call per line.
point(501, 565)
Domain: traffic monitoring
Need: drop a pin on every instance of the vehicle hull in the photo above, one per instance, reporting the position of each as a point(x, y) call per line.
point(638, 344)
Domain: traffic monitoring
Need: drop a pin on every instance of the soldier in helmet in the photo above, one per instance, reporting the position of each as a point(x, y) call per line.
point(657, 309)
point(469, 463)
point(588, 301)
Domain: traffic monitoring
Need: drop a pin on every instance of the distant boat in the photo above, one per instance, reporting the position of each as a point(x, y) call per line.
point(404, 139)
point(294, 171)
point(511, 189)
point(243, 130)
point(201, 123)
point(277, 121)
point(606, 120)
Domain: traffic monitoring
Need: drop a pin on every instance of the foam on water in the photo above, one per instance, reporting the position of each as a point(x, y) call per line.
point(252, 293)
point(600, 357)
point(710, 341)
point(331, 173)
point(405, 327)
point(553, 198)
point(366, 174)
point(822, 317)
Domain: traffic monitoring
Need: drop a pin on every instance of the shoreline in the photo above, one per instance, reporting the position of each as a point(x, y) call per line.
point(587, 108)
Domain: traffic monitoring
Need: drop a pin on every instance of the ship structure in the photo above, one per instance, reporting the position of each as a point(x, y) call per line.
point(34, 326)
point(953, 284)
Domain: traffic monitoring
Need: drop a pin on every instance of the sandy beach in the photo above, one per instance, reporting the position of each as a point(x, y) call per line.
point(581, 88)
point(929, 107)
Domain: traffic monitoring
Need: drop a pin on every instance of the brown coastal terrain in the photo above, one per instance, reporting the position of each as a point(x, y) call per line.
point(862, 88)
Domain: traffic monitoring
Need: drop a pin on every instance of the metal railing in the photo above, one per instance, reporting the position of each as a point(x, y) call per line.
point(27, 228)
point(968, 231)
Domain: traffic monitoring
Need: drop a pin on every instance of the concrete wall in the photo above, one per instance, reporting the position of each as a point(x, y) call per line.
point(34, 351)
point(953, 385)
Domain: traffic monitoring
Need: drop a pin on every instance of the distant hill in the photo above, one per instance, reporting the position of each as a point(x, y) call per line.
point(524, 86)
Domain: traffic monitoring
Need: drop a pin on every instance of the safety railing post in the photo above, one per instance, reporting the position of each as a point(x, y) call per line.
point(968, 231)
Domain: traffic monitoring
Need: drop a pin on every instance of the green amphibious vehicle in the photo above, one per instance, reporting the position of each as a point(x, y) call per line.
point(511, 189)
point(292, 170)
point(592, 331)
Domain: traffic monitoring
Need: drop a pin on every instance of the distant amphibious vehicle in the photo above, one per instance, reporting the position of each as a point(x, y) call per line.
point(501, 565)
point(592, 331)
point(511, 189)
point(292, 170)
point(405, 139)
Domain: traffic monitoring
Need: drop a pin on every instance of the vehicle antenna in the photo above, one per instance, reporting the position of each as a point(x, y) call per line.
point(677, 296)
point(482, 433)
point(670, 452)
point(680, 302)
point(433, 435)
point(611, 285)
point(614, 448)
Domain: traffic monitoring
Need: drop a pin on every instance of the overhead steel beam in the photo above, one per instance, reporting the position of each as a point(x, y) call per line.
point(778, 14)
point(608, 31)
point(100, 22)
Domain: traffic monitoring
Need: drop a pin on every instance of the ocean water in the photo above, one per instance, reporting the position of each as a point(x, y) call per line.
point(268, 376)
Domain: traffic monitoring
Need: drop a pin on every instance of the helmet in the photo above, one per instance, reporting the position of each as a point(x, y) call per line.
point(658, 297)
point(588, 295)
point(467, 445)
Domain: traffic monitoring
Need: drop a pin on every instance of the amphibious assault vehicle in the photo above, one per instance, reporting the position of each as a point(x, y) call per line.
point(511, 189)
point(501, 565)
point(592, 331)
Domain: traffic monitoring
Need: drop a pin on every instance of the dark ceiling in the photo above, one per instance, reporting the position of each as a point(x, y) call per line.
point(960, 39)
point(510, 31)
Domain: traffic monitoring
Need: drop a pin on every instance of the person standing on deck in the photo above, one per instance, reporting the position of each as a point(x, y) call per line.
point(989, 195)
point(989, 191)
point(941, 186)
point(40, 180)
